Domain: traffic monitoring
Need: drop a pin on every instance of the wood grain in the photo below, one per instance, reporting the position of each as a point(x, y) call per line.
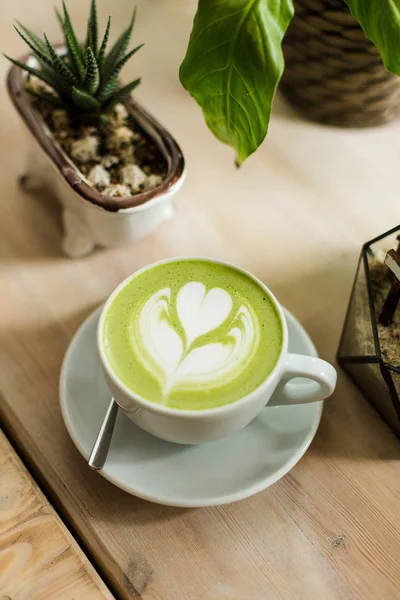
point(295, 215)
point(39, 559)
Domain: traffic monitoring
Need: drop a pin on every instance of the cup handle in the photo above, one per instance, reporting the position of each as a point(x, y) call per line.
point(322, 374)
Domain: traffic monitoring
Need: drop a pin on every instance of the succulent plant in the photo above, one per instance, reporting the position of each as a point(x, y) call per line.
point(85, 78)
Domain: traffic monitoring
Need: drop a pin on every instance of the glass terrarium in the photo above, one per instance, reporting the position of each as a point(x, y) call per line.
point(369, 349)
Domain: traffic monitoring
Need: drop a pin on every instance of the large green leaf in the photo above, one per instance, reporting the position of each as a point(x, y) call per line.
point(233, 64)
point(380, 20)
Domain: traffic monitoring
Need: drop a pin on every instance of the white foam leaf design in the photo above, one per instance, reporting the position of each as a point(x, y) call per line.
point(163, 338)
point(174, 361)
point(161, 341)
point(201, 361)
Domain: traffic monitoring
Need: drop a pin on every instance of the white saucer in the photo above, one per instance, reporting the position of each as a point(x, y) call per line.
point(215, 473)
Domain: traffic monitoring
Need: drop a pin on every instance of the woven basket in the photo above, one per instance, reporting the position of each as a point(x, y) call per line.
point(333, 74)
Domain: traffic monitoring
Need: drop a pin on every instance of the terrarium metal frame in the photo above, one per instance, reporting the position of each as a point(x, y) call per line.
point(387, 370)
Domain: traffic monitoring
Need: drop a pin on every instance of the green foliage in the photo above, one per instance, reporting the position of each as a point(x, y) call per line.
point(85, 79)
point(91, 36)
point(234, 60)
point(102, 51)
point(119, 48)
point(92, 77)
point(233, 64)
point(380, 20)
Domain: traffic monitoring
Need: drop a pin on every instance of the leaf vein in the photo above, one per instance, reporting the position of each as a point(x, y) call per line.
point(209, 51)
point(251, 95)
point(230, 56)
point(247, 117)
point(200, 33)
point(206, 75)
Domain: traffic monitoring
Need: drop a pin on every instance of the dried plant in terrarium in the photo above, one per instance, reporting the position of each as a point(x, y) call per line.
point(78, 94)
point(386, 292)
point(369, 349)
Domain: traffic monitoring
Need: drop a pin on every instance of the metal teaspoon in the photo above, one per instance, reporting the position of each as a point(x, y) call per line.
point(101, 446)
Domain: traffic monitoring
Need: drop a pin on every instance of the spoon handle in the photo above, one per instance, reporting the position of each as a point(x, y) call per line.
point(102, 444)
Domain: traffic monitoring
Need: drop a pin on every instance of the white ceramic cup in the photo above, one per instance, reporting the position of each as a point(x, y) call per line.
point(197, 426)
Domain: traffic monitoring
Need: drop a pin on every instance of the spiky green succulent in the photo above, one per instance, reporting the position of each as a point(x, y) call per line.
point(85, 78)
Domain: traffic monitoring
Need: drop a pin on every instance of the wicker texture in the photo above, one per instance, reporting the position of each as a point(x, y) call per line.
point(333, 74)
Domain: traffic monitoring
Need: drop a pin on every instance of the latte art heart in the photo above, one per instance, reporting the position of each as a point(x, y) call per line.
point(192, 334)
point(200, 311)
point(203, 350)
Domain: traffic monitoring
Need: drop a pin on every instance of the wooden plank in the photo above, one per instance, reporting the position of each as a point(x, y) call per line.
point(296, 215)
point(39, 558)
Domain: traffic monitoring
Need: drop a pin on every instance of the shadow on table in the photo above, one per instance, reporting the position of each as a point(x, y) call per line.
point(32, 228)
point(350, 426)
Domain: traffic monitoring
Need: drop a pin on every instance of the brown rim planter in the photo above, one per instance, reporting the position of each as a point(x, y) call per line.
point(333, 73)
point(91, 219)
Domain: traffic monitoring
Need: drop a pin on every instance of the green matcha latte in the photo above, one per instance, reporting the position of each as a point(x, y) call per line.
point(192, 334)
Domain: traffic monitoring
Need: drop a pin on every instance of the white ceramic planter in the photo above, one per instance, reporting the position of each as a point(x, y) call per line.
point(89, 218)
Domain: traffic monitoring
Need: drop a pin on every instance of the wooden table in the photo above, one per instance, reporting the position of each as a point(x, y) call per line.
point(296, 215)
point(38, 555)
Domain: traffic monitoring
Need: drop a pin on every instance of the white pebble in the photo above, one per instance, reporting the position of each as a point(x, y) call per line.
point(120, 113)
point(109, 160)
point(133, 176)
point(59, 118)
point(117, 190)
point(99, 176)
point(85, 149)
point(120, 138)
point(152, 182)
